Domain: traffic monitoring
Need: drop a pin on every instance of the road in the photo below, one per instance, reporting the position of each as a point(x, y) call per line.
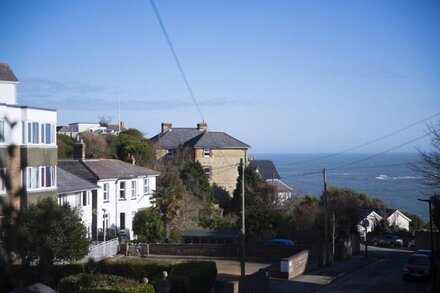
point(385, 275)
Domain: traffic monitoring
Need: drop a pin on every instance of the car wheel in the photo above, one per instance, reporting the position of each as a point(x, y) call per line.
point(392, 245)
point(375, 243)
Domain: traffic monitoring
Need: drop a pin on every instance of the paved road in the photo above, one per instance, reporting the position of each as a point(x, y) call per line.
point(384, 275)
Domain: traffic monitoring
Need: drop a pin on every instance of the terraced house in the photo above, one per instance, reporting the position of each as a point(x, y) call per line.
point(218, 152)
point(30, 133)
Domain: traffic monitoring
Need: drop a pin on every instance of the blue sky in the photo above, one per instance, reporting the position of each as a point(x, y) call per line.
point(282, 76)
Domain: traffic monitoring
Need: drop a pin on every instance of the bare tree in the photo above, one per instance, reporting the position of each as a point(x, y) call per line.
point(428, 165)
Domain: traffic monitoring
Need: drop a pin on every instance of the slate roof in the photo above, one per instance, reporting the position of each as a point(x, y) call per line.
point(210, 233)
point(6, 73)
point(115, 127)
point(63, 129)
point(68, 182)
point(219, 140)
point(174, 137)
point(266, 168)
point(194, 138)
point(98, 169)
point(279, 186)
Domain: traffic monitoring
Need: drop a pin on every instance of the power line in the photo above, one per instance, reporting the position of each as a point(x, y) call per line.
point(173, 51)
point(371, 141)
point(367, 158)
point(381, 153)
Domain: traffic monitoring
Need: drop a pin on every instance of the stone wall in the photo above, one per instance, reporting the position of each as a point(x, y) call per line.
point(295, 265)
point(269, 252)
point(223, 165)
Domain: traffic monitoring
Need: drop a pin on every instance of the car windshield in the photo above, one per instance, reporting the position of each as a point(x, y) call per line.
point(418, 260)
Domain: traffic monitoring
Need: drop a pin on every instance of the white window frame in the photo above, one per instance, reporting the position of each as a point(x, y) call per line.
point(207, 170)
point(133, 189)
point(122, 191)
point(206, 152)
point(106, 192)
point(39, 132)
point(146, 185)
point(2, 130)
point(37, 177)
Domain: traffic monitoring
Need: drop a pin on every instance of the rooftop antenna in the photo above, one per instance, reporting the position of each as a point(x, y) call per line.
point(119, 115)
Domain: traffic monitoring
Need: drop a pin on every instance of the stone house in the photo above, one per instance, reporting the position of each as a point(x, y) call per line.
point(31, 130)
point(218, 152)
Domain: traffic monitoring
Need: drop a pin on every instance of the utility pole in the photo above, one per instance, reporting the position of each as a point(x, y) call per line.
point(243, 233)
point(324, 174)
point(429, 201)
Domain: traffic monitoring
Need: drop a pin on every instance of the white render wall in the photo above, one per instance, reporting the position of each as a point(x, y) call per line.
point(397, 219)
point(22, 115)
point(75, 199)
point(8, 92)
point(115, 206)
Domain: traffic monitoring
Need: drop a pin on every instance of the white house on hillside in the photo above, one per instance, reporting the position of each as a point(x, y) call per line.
point(123, 190)
point(78, 192)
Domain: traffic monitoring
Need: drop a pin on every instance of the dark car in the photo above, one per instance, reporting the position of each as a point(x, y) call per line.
point(284, 242)
point(387, 240)
point(417, 266)
point(424, 252)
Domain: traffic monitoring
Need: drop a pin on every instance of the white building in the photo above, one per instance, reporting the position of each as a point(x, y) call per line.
point(80, 127)
point(123, 190)
point(32, 131)
point(78, 193)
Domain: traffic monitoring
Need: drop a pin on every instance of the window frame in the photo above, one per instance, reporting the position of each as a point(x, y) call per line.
point(133, 190)
point(106, 192)
point(122, 191)
point(207, 153)
point(147, 186)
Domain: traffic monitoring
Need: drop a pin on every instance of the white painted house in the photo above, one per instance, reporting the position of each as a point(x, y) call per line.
point(78, 193)
point(397, 218)
point(123, 190)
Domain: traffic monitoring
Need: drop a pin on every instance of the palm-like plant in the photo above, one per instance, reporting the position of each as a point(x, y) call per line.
point(168, 201)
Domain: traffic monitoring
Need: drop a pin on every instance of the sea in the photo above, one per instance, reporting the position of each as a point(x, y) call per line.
point(387, 176)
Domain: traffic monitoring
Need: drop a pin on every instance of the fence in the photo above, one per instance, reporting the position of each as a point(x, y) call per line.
point(102, 250)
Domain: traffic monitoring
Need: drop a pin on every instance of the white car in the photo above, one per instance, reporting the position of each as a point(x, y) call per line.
point(412, 244)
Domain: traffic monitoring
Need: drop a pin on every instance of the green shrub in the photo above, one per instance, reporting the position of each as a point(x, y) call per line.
point(134, 268)
point(196, 276)
point(101, 283)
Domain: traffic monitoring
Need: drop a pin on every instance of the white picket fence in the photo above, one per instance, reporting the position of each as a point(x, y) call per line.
point(102, 250)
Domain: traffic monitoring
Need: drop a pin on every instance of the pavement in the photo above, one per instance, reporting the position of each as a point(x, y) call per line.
point(317, 279)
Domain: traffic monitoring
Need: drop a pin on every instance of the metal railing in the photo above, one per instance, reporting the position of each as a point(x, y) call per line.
point(102, 250)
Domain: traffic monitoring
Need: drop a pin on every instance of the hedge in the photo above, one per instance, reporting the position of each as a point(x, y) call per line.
point(195, 276)
point(102, 283)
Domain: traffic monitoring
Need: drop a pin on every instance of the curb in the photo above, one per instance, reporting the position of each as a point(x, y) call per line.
point(344, 274)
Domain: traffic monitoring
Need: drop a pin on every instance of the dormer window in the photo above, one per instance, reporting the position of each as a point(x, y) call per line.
point(206, 152)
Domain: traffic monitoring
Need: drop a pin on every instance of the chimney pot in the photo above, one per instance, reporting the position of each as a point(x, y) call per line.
point(166, 126)
point(202, 126)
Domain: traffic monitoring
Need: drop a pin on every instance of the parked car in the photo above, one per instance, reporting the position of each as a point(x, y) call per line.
point(412, 244)
point(284, 242)
point(417, 266)
point(424, 252)
point(387, 240)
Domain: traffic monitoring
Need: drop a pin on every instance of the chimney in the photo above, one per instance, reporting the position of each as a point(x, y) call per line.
point(166, 126)
point(122, 125)
point(79, 149)
point(202, 126)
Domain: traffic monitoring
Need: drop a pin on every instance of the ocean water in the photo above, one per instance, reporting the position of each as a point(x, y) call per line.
point(387, 177)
